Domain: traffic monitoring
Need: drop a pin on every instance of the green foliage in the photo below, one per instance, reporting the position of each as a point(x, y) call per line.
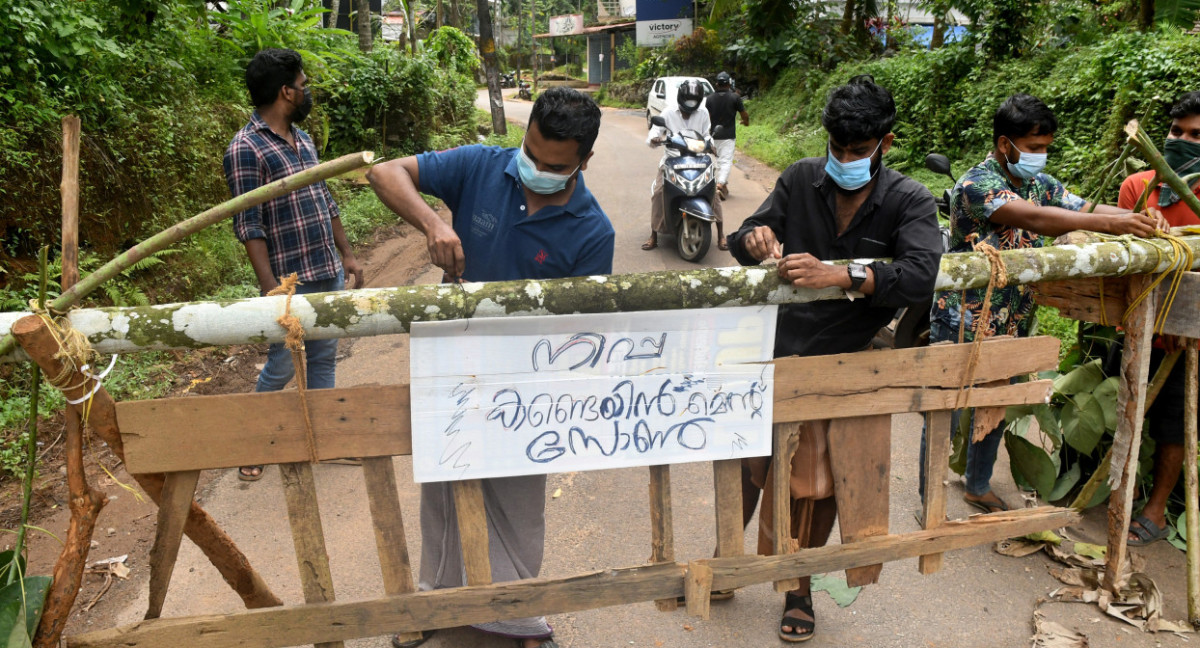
point(252, 25)
point(453, 50)
point(21, 605)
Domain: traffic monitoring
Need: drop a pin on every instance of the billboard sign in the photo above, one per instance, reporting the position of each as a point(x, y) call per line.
point(662, 22)
point(566, 25)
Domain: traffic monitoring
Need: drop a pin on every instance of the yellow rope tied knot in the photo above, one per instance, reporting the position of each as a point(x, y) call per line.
point(294, 341)
point(74, 351)
point(1178, 262)
point(997, 278)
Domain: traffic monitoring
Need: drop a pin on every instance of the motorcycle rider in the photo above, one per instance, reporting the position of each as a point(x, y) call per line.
point(688, 114)
point(724, 106)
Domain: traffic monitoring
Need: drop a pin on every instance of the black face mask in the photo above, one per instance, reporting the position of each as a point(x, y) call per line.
point(299, 113)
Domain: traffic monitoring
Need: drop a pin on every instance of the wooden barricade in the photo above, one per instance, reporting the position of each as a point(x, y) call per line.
point(1107, 301)
point(373, 422)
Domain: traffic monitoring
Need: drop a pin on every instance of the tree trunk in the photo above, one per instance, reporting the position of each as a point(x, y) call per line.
point(379, 311)
point(848, 17)
point(939, 30)
point(487, 48)
point(335, 7)
point(455, 16)
point(410, 21)
point(440, 17)
point(1146, 14)
point(362, 20)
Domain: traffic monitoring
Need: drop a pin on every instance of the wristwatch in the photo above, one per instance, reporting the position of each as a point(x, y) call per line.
point(858, 274)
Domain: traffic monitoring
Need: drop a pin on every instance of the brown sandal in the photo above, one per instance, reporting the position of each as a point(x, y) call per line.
point(250, 473)
point(650, 244)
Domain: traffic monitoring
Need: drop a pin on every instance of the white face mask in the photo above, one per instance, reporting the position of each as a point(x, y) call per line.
point(540, 182)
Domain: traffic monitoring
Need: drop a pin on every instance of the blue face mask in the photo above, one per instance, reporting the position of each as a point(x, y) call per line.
point(850, 175)
point(540, 182)
point(1028, 164)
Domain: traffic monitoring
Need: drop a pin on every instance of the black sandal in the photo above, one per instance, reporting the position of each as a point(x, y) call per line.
point(801, 629)
point(425, 635)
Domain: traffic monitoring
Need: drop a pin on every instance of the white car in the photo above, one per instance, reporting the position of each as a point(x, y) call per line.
point(662, 94)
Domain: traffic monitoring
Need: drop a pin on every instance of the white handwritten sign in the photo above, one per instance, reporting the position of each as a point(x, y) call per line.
point(532, 395)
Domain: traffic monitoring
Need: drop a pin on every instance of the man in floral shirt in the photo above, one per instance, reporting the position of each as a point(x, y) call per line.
point(1007, 202)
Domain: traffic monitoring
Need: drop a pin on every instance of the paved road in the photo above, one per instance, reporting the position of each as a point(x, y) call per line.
point(601, 519)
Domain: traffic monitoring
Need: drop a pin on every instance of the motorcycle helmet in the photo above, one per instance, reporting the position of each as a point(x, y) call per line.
point(689, 96)
point(723, 79)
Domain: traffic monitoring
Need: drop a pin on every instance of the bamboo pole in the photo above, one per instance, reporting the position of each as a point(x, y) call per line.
point(70, 201)
point(381, 311)
point(220, 549)
point(181, 230)
point(1191, 485)
point(1142, 141)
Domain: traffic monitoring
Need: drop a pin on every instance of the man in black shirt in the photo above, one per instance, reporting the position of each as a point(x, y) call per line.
point(845, 205)
point(723, 106)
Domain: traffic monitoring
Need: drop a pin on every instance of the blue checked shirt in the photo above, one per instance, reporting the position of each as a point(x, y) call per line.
point(297, 227)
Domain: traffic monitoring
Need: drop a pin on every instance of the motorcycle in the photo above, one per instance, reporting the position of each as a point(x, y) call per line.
point(910, 327)
point(508, 80)
point(689, 188)
point(523, 90)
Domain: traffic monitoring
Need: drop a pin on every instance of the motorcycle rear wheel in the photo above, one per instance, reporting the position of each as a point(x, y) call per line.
point(693, 239)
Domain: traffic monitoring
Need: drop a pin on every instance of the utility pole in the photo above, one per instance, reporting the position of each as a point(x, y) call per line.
point(533, 41)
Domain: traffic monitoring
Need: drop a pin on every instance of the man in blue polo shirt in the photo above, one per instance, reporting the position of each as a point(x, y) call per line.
point(521, 213)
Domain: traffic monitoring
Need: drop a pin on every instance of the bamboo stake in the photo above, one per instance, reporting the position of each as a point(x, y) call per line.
point(31, 440)
point(70, 201)
point(179, 231)
point(1141, 140)
point(1191, 485)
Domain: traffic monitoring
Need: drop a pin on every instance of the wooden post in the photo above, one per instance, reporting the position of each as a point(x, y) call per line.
point(727, 484)
point(473, 529)
point(1191, 485)
point(70, 201)
point(37, 340)
point(177, 493)
point(1135, 368)
point(787, 439)
point(308, 537)
point(860, 455)
point(937, 448)
point(662, 525)
point(697, 589)
point(388, 521)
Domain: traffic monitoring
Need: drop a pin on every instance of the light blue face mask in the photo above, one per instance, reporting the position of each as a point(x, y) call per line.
point(1028, 164)
point(540, 182)
point(850, 175)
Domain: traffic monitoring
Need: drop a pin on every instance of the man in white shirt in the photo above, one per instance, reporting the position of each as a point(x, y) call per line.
point(689, 114)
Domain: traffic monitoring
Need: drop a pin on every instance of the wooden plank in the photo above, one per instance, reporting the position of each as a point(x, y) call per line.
point(263, 428)
point(809, 407)
point(473, 529)
point(940, 365)
point(1135, 369)
point(861, 459)
point(727, 487)
point(786, 440)
point(662, 526)
point(1191, 483)
point(388, 521)
point(697, 588)
point(447, 608)
point(173, 507)
point(266, 428)
point(1080, 298)
point(933, 512)
point(300, 491)
point(1184, 317)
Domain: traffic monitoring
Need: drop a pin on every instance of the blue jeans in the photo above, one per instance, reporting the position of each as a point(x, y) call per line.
point(981, 455)
point(321, 354)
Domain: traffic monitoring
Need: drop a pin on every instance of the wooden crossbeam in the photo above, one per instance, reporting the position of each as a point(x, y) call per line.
point(1080, 299)
point(303, 624)
point(234, 430)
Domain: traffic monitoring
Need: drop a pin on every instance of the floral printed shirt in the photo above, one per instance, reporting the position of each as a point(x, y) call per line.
point(981, 191)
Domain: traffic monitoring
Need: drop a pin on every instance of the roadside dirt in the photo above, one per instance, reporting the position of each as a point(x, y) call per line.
point(127, 523)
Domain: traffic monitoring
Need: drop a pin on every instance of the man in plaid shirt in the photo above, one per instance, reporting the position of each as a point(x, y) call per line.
point(293, 233)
